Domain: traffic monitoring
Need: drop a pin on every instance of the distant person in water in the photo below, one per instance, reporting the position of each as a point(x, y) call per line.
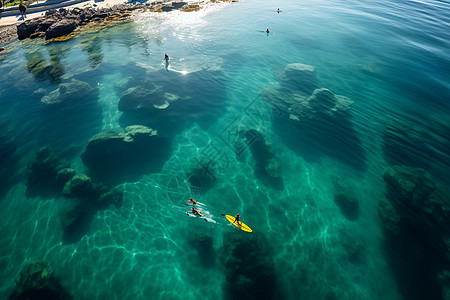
point(193, 201)
point(22, 9)
point(267, 31)
point(278, 10)
point(166, 58)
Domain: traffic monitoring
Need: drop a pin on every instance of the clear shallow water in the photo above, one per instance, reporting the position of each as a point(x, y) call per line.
point(390, 59)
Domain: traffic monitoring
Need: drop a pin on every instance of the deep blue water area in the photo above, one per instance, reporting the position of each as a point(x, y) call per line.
point(329, 135)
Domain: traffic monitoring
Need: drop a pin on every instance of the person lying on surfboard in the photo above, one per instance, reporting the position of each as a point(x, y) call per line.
point(191, 200)
point(195, 211)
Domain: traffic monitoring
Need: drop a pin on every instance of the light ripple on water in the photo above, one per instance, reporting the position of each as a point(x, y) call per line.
point(390, 58)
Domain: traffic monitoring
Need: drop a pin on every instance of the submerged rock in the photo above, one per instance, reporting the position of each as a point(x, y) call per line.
point(249, 267)
point(144, 98)
point(64, 175)
point(88, 199)
point(444, 280)
point(389, 216)
point(37, 281)
point(9, 157)
point(137, 149)
point(353, 244)
point(8, 147)
point(266, 165)
point(416, 215)
point(203, 244)
point(45, 167)
point(321, 104)
point(346, 200)
point(421, 206)
point(114, 197)
point(300, 77)
point(70, 91)
point(81, 186)
point(320, 120)
point(425, 145)
point(42, 69)
point(409, 190)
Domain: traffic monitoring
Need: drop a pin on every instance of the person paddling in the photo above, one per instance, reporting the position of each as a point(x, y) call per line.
point(192, 200)
point(195, 211)
point(236, 219)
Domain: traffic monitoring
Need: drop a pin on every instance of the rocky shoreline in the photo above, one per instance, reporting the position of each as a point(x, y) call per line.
point(60, 24)
point(7, 34)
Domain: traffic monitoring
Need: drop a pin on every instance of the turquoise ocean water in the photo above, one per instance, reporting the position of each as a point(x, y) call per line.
point(391, 59)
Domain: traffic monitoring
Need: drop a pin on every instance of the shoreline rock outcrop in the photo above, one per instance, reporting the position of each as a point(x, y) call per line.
point(61, 22)
point(58, 23)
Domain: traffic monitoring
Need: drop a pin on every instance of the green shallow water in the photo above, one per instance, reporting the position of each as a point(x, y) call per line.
point(221, 60)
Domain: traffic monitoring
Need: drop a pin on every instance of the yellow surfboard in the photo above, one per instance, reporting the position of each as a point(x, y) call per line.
point(241, 225)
